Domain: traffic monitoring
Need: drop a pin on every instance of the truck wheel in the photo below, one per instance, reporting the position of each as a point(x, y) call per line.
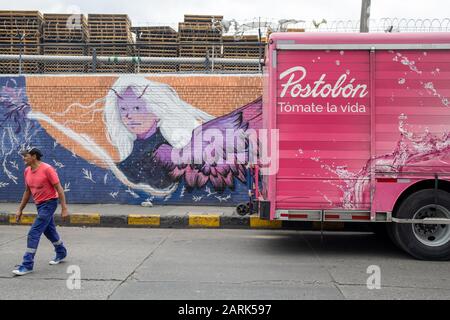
point(390, 228)
point(424, 242)
point(243, 209)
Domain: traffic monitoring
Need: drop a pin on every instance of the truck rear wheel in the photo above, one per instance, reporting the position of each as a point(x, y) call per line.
point(424, 241)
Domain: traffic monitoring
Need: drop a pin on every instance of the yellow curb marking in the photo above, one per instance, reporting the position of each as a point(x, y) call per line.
point(85, 218)
point(144, 219)
point(204, 220)
point(256, 222)
point(26, 219)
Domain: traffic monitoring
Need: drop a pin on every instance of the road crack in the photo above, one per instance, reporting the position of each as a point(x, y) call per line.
point(139, 265)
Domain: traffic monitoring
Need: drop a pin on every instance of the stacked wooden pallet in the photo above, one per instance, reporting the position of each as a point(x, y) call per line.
point(20, 32)
point(65, 28)
point(295, 30)
point(245, 47)
point(110, 35)
point(156, 42)
point(193, 32)
point(64, 35)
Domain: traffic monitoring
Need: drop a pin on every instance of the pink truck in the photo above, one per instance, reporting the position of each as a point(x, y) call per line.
point(363, 124)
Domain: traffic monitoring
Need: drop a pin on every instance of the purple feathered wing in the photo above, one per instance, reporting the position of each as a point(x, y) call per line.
point(221, 174)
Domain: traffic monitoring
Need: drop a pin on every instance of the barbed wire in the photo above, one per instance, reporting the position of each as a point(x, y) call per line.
point(322, 25)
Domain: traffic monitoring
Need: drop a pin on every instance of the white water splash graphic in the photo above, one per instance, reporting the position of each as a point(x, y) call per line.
point(411, 149)
point(326, 198)
point(428, 86)
point(411, 64)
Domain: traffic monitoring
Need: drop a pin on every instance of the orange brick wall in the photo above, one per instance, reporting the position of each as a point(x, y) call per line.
point(52, 95)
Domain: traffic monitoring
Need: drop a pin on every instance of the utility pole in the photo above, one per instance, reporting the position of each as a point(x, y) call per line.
point(365, 16)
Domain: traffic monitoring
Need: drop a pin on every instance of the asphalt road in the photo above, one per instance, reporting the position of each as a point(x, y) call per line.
point(218, 264)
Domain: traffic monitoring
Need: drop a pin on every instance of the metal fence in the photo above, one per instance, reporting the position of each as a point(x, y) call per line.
point(201, 57)
point(235, 53)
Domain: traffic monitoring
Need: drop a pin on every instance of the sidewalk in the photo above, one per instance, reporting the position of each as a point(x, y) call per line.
point(129, 216)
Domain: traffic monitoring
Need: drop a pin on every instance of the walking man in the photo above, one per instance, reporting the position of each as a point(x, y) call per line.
point(42, 182)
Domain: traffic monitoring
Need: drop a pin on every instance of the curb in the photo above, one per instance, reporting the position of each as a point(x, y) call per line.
point(189, 220)
point(186, 221)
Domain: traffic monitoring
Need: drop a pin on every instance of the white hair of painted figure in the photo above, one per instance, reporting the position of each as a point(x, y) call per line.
point(177, 118)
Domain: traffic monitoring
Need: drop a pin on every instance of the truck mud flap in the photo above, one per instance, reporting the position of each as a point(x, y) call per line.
point(264, 210)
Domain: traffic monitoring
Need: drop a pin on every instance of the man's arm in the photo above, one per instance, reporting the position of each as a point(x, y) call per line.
point(62, 199)
point(23, 203)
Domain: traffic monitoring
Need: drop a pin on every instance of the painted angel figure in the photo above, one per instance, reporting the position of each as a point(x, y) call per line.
point(148, 123)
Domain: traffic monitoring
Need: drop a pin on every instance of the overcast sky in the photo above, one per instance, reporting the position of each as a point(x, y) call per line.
point(172, 11)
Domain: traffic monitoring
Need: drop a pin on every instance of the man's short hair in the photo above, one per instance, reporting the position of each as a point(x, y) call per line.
point(32, 151)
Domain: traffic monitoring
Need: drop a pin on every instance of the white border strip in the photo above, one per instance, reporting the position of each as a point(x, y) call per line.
point(416, 46)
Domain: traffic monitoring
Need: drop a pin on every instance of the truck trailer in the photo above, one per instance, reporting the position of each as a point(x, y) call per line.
point(363, 134)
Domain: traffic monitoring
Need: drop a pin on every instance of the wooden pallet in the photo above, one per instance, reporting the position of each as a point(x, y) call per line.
point(107, 28)
point(116, 68)
point(56, 29)
point(191, 68)
point(109, 17)
point(189, 26)
point(29, 50)
point(233, 48)
point(64, 68)
point(18, 27)
point(295, 30)
point(242, 39)
point(157, 69)
point(199, 51)
point(63, 49)
point(241, 68)
point(111, 51)
point(142, 52)
point(201, 18)
point(155, 34)
point(12, 67)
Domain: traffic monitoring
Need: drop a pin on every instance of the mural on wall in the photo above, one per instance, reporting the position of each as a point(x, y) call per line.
point(119, 137)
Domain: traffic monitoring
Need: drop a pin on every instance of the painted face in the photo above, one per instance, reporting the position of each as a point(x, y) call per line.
point(134, 113)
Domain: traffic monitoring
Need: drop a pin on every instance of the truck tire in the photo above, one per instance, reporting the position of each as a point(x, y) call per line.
point(243, 209)
point(424, 242)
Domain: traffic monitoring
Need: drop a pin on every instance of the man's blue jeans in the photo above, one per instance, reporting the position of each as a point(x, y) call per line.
point(44, 224)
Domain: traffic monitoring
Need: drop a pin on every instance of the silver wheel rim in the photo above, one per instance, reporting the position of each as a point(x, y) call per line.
point(432, 235)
